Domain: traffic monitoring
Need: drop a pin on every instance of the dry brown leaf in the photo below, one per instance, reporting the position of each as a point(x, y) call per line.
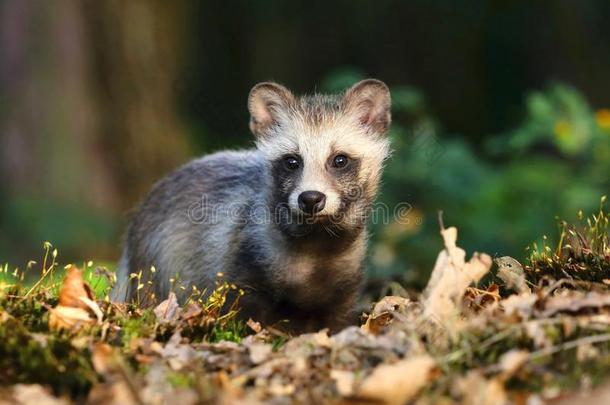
point(34, 394)
point(399, 382)
point(192, 310)
point(313, 340)
point(116, 392)
point(62, 317)
point(259, 352)
point(477, 299)
point(176, 353)
point(255, 326)
point(103, 358)
point(168, 310)
point(376, 324)
point(475, 389)
point(520, 305)
point(574, 301)
point(385, 311)
point(73, 289)
point(511, 362)
point(344, 381)
point(279, 388)
point(451, 277)
point(76, 304)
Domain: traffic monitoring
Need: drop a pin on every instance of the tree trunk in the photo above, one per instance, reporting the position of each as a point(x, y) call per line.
point(87, 118)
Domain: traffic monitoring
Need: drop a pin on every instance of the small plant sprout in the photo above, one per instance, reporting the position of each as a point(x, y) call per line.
point(581, 252)
point(139, 286)
point(45, 270)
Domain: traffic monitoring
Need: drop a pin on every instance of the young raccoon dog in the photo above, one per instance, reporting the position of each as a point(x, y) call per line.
point(286, 222)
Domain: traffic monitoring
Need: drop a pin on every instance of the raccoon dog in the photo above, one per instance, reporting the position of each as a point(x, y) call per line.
point(286, 221)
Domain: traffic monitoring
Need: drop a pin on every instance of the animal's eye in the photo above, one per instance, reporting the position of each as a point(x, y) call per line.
point(291, 163)
point(340, 161)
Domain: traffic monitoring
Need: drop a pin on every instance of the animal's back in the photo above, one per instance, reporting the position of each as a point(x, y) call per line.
point(187, 222)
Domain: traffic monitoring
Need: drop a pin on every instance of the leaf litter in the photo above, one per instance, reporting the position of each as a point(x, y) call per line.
point(516, 333)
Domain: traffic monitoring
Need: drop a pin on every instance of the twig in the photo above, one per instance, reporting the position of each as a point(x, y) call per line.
point(570, 345)
point(44, 274)
point(440, 220)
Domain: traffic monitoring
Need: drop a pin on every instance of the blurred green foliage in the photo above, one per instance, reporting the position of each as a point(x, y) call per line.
point(32, 220)
point(501, 194)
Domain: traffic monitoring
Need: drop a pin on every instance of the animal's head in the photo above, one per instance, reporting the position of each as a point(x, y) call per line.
point(326, 153)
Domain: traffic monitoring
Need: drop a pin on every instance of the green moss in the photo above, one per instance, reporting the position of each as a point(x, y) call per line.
point(49, 359)
point(232, 331)
point(133, 327)
point(582, 252)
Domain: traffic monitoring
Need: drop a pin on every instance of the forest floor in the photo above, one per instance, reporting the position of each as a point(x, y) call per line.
point(484, 331)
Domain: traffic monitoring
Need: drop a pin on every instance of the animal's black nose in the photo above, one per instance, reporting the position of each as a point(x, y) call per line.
point(311, 201)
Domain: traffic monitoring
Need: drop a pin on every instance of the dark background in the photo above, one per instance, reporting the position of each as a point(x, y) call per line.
point(474, 60)
point(499, 106)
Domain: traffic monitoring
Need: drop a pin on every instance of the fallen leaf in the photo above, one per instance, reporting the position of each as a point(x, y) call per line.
point(73, 289)
point(255, 326)
point(92, 305)
point(112, 393)
point(477, 299)
point(376, 324)
point(76, 304)
point(451, 277)
point(511, 362)
point(168, 310)
point(192, 310)
point(520, 305)
point(62, 317)
point(176, 353)
point(259, 352)
point(399, 382)
point(344, 381)
point(35, 394)
point(278, 388)
point(574, 301)
point(475, 389)
point(103, 358)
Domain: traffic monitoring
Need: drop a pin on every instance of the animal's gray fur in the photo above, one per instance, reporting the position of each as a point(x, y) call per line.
point(216, 215)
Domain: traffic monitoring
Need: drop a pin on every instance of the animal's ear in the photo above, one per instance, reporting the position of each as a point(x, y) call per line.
point(266, 102)
point(370, 100)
